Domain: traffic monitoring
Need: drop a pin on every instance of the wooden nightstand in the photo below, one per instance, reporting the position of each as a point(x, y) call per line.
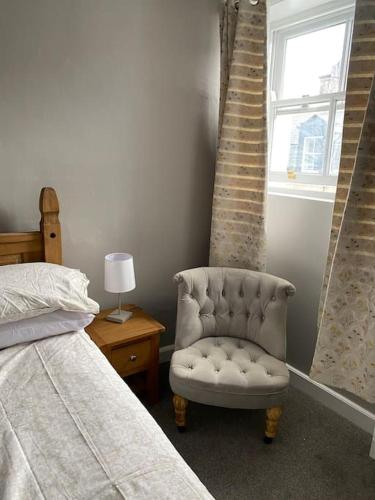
point(131, 347)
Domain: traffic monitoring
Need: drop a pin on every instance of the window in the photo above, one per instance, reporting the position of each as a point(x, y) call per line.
point(312, 153)
point(309, 64)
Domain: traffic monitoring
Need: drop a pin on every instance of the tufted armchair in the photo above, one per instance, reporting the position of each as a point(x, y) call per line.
point(230, 342)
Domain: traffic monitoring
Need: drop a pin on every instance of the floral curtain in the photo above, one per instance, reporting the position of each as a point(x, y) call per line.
point(361, 72)
point(345, 351)
point(237, 230)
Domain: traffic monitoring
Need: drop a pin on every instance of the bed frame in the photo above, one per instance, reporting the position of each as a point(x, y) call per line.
point(36, 246)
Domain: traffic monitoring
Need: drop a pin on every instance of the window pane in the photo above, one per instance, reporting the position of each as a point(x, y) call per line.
point(312, 154)
point(298, 143)
point(336, 142)
point(313, 62)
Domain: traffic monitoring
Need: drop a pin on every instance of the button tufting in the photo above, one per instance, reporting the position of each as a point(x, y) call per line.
point(214, 313)
point(231, 313)
point(223, 293)
point(258, 294)
point(262, 317)
point(204, 355)
point(241, 293)
point(247, 315)
point(273, 298)
point(207, 291)
point(217, 371)
point(243, 371)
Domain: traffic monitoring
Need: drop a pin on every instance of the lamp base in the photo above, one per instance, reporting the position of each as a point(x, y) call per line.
point(119, 316)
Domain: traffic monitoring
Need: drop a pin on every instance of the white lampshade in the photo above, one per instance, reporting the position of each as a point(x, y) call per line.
point(119, 273)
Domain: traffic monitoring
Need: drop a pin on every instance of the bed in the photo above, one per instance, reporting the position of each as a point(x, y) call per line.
point(70, 428)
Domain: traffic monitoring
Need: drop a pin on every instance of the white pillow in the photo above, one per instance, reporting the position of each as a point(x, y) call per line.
point(41, 327)
point(29, 290)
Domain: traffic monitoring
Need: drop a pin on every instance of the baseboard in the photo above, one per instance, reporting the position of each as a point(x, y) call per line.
point(328, 397)
point(333, 400)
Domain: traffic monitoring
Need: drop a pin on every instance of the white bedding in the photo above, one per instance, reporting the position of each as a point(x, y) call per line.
point(70, 428)
point(36, 288)
point(43, 326)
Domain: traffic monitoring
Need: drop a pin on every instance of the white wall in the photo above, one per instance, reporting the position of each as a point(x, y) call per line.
point(287, 10)
point(114, 103)
point(297, 245)
point(298, 237)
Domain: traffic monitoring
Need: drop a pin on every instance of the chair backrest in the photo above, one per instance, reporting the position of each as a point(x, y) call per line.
point(219, 301)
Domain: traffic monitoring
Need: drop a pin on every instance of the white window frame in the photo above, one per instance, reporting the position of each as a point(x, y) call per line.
point(321, 186)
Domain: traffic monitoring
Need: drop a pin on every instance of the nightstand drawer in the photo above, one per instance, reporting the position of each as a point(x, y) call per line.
point(131, 358)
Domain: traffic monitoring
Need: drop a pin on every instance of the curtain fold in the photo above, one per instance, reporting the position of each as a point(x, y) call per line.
point(345, 351)
point(237, 229)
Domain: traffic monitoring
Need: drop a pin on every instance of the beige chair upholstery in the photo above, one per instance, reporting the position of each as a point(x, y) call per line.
point(231, 338)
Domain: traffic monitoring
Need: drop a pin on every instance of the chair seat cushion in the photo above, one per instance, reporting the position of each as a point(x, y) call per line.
point(229, 372)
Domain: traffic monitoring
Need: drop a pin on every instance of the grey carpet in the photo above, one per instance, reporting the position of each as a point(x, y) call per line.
point(317, 455)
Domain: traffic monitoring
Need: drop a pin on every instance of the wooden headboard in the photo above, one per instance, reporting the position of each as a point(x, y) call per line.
point(36, 246)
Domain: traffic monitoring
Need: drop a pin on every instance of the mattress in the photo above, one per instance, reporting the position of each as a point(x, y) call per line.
point(70, 428)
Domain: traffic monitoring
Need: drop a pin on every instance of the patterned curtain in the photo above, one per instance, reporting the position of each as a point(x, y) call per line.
point(360, 75)
point(237, 230)
point(345, 351)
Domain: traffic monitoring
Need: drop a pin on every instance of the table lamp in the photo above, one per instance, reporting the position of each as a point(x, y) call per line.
point(119, 278)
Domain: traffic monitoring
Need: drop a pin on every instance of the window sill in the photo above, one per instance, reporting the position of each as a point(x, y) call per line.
point(313, 196)
point(302, 190)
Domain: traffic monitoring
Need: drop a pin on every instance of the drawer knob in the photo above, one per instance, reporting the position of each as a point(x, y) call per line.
point(133, 357)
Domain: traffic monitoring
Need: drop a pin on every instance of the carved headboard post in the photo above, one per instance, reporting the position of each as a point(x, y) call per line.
point(50, 226)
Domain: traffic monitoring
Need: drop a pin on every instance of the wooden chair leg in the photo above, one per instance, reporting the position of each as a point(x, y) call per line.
point(180, 405)
point(272, 421)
